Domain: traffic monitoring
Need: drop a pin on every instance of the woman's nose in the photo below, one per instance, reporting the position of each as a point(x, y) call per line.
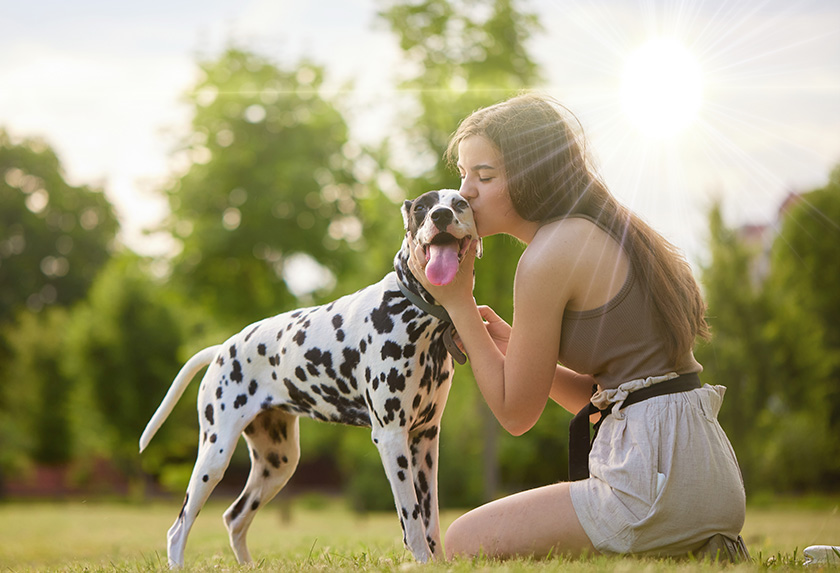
point(467, 190)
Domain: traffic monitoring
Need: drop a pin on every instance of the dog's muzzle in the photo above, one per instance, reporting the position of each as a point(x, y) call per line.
point(443, 256)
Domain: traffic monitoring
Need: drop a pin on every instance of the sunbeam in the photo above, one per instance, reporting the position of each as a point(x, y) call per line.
point(688, 103)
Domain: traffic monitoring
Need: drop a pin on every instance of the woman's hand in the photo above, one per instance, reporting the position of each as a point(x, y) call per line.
point(459, 291)
point(497, 328)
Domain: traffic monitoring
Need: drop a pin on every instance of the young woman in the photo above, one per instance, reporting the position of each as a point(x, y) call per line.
point(600, 292)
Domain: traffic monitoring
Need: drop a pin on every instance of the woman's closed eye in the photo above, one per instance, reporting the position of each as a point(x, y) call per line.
point(483, 179)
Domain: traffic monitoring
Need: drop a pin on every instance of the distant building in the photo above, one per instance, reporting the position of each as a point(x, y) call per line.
point(759, 238)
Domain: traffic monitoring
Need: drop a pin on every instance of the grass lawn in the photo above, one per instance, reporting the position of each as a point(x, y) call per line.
point(325, 536)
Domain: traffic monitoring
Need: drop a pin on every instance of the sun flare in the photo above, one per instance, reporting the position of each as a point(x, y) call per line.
point(661, 88)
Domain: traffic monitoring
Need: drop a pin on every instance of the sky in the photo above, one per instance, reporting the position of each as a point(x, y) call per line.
point(758, 115)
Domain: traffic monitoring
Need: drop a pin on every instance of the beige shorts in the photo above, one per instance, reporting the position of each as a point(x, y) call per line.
point(663, 477)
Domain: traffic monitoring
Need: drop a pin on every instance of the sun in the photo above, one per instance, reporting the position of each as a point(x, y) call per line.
point(662, 88)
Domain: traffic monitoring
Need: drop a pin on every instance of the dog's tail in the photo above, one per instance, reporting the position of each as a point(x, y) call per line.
point(182, 380)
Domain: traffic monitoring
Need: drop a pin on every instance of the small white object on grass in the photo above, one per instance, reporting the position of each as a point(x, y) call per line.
point(822, 555)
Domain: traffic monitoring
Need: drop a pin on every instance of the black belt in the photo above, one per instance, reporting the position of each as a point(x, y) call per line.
point(579, 444)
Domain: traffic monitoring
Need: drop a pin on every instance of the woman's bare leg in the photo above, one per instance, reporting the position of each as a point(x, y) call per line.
point(534, 522)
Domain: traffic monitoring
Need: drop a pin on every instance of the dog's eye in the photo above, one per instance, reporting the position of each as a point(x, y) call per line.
point(461, 204)
point(420, 208)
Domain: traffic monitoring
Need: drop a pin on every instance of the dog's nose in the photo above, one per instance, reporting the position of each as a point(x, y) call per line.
point(441, 218)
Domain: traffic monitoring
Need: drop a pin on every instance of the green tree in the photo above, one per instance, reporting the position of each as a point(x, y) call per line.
point(123, 349)
point(54, 237)
point(735, 356)
point(35, 392)
point(270, 178)
point(804, 291)
point(772, 345)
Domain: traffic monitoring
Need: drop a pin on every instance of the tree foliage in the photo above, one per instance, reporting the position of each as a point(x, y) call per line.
point(123, 348)
point(270, 177)
point(804, 291)
point(35, 392)
point(775, 344)
point(54, 237)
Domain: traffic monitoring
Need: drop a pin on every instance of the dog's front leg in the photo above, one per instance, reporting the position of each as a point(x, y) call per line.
point(396, 459)
point(424, 444)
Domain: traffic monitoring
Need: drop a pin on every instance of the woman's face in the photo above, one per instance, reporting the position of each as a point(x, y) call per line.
point(484, 185)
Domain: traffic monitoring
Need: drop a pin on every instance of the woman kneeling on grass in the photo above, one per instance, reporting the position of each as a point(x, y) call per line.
point(599, 291)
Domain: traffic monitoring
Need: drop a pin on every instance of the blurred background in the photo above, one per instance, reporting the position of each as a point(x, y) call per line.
point(171, 172)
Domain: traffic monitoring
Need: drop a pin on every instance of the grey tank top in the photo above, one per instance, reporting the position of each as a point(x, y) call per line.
point(619, 341)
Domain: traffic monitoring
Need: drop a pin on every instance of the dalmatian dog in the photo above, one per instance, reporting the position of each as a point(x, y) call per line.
point(378, 358)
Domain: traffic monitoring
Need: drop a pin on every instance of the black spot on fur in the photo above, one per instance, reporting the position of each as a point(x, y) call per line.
point(241, 400)
point(237, 509)
point(321, 358)
point(252, 387)
point(391, 350)
point(381, 316)
point(261, 349)
point(414, 331)
point(184, 507)
point(298, 396)
point(393, 406)
point(274, 459)
point(402, 461)
point(300, 337)
point(421, 478)
point(348, 366)
point(396, 381)
point(236, 371)
point(208, 413)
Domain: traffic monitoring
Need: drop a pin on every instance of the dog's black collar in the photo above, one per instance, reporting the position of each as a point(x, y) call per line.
point(434, 309)
point(440, 313)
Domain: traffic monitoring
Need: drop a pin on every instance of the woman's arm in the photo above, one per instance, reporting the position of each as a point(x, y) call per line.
point(569, 389)
point(516, 384)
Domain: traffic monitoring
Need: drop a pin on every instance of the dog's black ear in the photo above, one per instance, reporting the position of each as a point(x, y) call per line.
point(406, 212)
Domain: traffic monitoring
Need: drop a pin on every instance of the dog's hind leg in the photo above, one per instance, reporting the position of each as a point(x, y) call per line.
point(274, 443)
point(213, 458)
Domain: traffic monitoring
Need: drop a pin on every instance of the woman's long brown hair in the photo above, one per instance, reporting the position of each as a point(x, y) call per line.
point(549, 177)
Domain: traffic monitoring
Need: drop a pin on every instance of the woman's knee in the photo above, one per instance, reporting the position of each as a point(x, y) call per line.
point(455, 540)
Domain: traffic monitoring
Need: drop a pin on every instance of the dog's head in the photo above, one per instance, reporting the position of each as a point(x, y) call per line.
point(442, 223)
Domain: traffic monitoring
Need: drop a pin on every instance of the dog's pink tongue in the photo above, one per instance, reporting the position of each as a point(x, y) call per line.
point(443, 263)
